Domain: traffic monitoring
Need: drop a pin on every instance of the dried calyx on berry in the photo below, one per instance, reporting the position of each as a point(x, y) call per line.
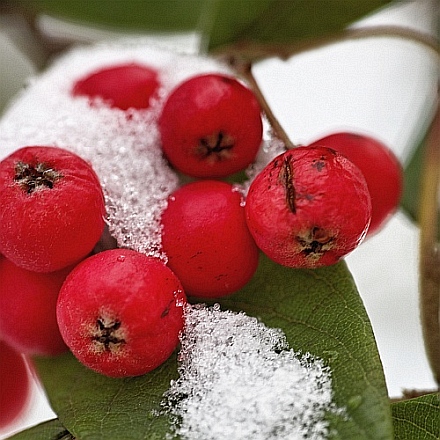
point(33, 177)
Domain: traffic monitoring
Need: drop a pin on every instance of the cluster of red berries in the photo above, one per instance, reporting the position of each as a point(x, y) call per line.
point(119, 311)
point(56, 293)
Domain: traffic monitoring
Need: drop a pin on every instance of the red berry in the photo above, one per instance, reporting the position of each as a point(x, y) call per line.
point(15, 385)
point(123, 86)
point(380, 167)
point(308, 207)
point(120, 312)
point(206, 239)
point(28, 309)
point(52, 208)
point(211, 126)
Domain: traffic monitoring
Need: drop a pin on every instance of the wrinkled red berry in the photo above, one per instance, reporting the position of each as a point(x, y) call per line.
point(28, 309)
point(380, 167)
point(308, 207)
point(15, 386)
point(211, 126)
point(206, 239)
point(123, 86)
point(120, 312)
point(52, 208)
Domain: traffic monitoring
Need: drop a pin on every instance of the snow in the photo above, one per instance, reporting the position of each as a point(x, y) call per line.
point(239, 379)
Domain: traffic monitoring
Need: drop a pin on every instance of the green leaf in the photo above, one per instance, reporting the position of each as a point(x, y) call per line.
point(417, 418)
point(93, 406)
point(150, 15)
point(52, 429)
point(319, 310)
point(278, 21)
point(411, 187)
point(414, 169)
point(222, 22)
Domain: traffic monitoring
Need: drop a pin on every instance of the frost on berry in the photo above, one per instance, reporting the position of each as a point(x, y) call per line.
point(238, 379)
point(123, 146)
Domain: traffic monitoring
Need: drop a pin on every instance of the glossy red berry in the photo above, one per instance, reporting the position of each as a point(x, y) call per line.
point(121, 312)
point(15, 386)
point(211, 126)
point(122, 86)
point(52, 208)
point(28, 309)
point(309, 207)
point(206, 239)
point(380, 167)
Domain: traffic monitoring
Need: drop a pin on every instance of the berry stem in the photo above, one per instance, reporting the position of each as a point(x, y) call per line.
point(430, 248)
point(244, 68)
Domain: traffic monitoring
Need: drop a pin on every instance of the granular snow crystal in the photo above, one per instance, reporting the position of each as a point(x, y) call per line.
point(239, 380)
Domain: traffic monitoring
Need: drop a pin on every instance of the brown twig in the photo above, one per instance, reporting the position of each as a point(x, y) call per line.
point(255, 51)
point(430, 248)
point(244, 69)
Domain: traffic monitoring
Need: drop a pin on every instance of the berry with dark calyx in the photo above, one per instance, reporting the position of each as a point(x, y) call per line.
point(121, 312)
point(52, 208)
point(15, 385)
point(28, 309)
point(211, 126)
point(309, 207)
point(122, 86)
point(380, 167)
point(206, 239)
